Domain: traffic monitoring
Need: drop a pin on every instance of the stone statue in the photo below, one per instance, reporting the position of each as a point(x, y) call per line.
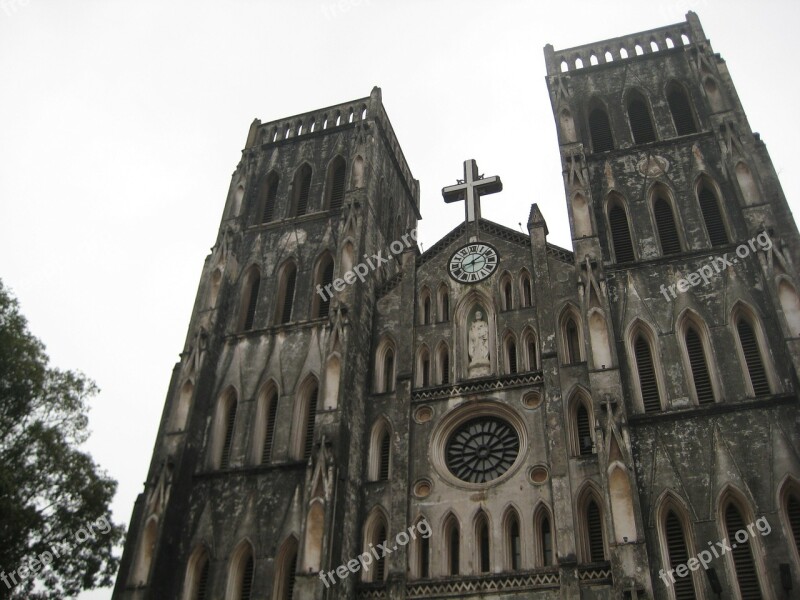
point(479, 347)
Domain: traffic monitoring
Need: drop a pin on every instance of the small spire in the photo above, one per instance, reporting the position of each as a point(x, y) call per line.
point(536, 219)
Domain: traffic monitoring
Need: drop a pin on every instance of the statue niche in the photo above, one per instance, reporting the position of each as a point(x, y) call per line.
point(478, 345)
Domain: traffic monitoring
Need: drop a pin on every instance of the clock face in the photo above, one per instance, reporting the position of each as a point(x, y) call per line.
point(473, 263)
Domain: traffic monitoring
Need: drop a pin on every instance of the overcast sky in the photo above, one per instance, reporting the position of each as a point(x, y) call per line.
point(121, 123)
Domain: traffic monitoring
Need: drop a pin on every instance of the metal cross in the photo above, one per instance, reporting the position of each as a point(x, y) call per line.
point(471, 189)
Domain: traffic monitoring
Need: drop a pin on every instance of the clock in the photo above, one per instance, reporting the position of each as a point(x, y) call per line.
point(473, 262)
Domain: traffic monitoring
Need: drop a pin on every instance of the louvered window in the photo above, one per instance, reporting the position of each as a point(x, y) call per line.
point(311, 416)
point(288, 294)
point(697, 362)
point(445, 316)
point(647, 375)
point(337, 185)
point(270, 194)
point(531, 347)
point(678, 554)
point(507, 296)
point(641, 123)
point(327, 279)
point(681, 112)
point(383, 467)
point(583, 430)
point(388, 370)
point(247, 579)
point(252, 301)
point(572, 342)
point(526, 292)
point(712, 217)
point(752, 357)
point(600, 131)
point(667, 231)
point(269, 428)
point(290, 578)
point(594, 529)
point(230, 420)
point(424, 557)
point(547, 541)
point(620, 234)
point(515, 546)
point(512, 357)
point(445, 367)
point(793, 514)
point(303, 183)
point(483, 544)
point(380, 567)
point(202, 582)
point(746, 575)
point(455, 549)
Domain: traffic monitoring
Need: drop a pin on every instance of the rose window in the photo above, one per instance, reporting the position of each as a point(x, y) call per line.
point(482, 449)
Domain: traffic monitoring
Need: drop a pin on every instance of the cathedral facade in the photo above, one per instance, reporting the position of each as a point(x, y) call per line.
point(497, 417)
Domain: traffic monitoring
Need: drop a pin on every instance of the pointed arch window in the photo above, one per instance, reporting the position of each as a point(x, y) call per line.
point(665, 224)
point(681, 110)
point(751, 353)
point(268, 192)
point(308, 417)
point(250, 299)
point(452, 537)
point(594, 532)
point(335, 183)
point(423, 367)
point(621, 240)
point(483, 543)
point(712, 215)
point(286, 294)
point(506, 296)
point(425, 557)
point(527, 294)
point(600, 130)
point(247, 579)
point(543, 541)
point(511, 355)
point(584, 430)
point(420, 558)
point(571, 339)
point(640, 120)
point(744, 565)
point(791, 509)
point(229, 415)
point(426, 308)
point(387, 375)
point(677, 554)
point(146, 552)
point(513, 542)
point(443, 364)
point(270, 414)
point(444, 304)
point(696, 355)
point(302, 188)
point(199, 586)
point(286, 571)
point(375, 532)
point(380, 457)
point(645, 368)
point(531, 350)
point(324, 278)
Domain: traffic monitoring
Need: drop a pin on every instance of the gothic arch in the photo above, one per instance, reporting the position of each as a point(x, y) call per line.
point(529, 346)
point(510, 352)
point(223, 429)
point(599, 125)
point(379, 464)
point(680, 107)
point(647, 376)
point(419, 557)
point(752, 348)
point(251, 285)
point(620, 237)
point(333, 373)
point(348, 257)
point(425, 307)
point(599, 338)
point(506, 290)
point(709, 199)
point(702, 376)
point(301, 190)
point(443, 303)
point(463, 315)
point(581, 219)
point(592, 536)
point(567, 124)
point(195, 583)
point(267, 197)
point(513, 548)
point(376, 531)
point(335, 183)
point(525, 289)
point(146, 551)
point(790, 304)
point(714, 95)
point(216, 284)
point(622, 509)
point(305, 412)
point(266, 421)
point(385, 365)
point(315, 528)
point(323, 276)
point(666, 219)
point(482, 532)
point(357, 179)
point(287, 279)
point(442, 363)
point(451, 544)
point(570, 329)
point(285, 569)
point(747, 184)
point(789, 507)
point(580, 420)
point(544, 547)
point(180, 411)
point(241, 571)
point(640, 117)
point(423, 367)
point(676, 542)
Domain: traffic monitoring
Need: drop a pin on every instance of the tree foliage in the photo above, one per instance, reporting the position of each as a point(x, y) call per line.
point(50, 490)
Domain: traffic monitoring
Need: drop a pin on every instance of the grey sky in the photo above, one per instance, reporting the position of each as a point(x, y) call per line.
point(121, 123)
